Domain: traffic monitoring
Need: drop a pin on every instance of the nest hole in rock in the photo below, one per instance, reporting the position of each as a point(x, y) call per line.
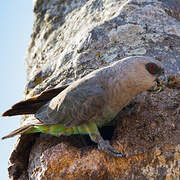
point(84, 140)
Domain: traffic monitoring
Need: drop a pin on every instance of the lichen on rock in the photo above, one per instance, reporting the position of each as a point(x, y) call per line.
point(70, 39)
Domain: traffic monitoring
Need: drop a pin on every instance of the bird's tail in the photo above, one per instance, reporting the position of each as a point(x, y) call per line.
point(53, 129)
point(28, 129)
point(31, 105)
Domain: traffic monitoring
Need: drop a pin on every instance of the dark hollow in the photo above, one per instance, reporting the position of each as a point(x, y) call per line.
point(106, 132)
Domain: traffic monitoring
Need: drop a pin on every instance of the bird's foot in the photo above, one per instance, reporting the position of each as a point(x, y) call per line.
point(107, 148)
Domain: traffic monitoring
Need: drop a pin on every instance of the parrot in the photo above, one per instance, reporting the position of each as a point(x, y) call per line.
point(90, 102)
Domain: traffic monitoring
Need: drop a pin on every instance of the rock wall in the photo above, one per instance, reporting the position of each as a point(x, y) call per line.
point(72, 38)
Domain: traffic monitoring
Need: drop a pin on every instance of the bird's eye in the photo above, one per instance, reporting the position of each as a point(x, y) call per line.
point(153, 68)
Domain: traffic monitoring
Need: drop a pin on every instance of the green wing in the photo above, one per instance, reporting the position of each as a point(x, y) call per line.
point(73, 106)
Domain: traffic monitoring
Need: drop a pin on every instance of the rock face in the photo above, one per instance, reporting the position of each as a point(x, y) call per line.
point(70, 39)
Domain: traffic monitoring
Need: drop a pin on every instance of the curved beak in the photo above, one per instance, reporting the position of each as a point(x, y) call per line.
point(163, 79)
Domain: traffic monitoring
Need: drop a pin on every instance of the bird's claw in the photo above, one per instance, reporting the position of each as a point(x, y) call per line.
point(106, 147)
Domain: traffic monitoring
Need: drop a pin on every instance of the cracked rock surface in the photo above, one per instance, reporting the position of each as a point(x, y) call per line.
point(70, 39)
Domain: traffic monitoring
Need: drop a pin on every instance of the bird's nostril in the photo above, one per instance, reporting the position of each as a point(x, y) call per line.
point(162, 71)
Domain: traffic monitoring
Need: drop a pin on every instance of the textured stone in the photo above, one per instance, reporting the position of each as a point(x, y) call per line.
point(70, 39)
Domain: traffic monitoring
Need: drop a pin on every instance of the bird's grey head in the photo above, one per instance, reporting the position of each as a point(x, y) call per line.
point(145, 69)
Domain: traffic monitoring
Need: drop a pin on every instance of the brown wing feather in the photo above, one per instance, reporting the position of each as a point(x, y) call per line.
point(31, 105)
point(74, 107)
